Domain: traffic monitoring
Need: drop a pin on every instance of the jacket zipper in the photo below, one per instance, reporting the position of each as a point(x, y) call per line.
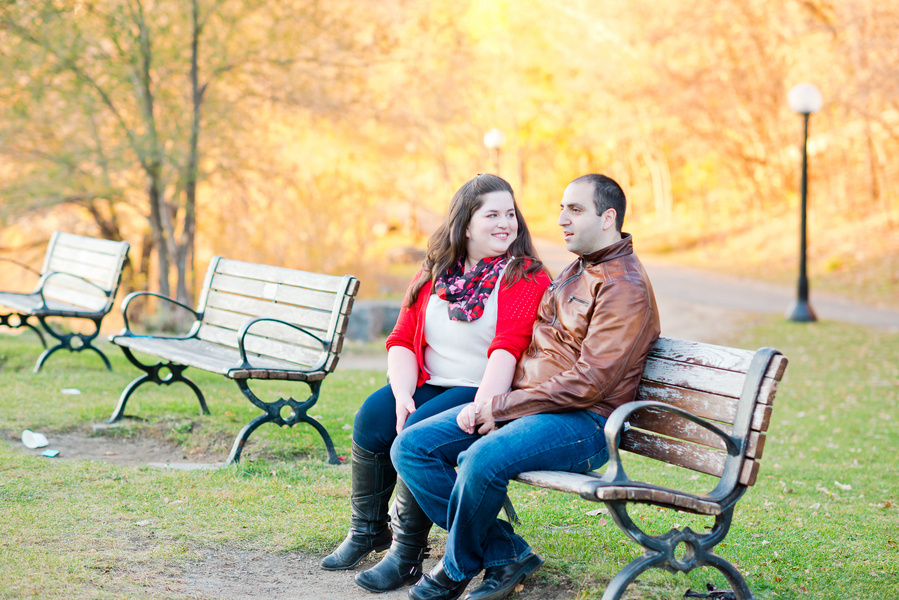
point(561, 285)
point(552, 289)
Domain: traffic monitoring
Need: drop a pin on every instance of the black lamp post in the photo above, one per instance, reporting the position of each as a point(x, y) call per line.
point(804, 99)
point(494, 140)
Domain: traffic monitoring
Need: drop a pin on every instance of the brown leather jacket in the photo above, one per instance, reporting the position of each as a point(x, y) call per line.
point(593, 332)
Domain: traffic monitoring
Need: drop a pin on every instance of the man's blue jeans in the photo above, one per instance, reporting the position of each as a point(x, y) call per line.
point(467, 504)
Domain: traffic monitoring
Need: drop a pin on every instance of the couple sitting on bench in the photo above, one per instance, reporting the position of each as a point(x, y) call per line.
point(496, 371)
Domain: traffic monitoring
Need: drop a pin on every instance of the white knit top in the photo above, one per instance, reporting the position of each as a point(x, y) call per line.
point(456, 354)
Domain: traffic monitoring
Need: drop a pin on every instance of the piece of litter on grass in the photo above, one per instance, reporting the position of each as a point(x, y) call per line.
point(50, 453)
point(347, 426)
point(34, 440)
point(815, 506)
point(843, 486)
point(142, 523)
point(598, 511)
point(71, 391)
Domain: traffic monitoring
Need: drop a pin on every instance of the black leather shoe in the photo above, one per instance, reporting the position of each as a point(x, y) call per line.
point(437, 585)
point(499, 582)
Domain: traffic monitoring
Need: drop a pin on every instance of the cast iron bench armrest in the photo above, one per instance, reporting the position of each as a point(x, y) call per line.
point(615, 473)
point(246, 327)
point(127, 331)
point(51, 274)
point(23, 265)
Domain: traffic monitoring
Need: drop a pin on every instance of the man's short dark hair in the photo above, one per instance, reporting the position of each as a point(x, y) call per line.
point(606, 194)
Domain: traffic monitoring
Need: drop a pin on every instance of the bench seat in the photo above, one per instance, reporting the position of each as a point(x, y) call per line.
point(193, 352)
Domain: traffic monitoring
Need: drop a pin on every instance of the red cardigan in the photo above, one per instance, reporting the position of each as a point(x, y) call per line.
point(517, 311)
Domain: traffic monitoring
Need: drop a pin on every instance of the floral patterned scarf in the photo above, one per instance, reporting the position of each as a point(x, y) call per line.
point(466, 293)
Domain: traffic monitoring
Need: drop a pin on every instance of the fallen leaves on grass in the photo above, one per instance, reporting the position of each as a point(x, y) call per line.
point(843, 486)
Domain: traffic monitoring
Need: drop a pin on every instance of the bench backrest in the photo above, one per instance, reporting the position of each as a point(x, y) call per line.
point(236, 291)
point(77, 258)
point(707, 381)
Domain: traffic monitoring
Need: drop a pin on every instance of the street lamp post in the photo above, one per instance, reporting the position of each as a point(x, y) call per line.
point(804, 99)
point(494, 140)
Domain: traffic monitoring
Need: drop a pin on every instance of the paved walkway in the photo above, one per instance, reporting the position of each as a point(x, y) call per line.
point(689, 298)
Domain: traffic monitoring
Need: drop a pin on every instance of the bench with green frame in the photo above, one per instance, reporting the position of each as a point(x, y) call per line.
point(79, 280)
point(252, 322)
point(701, 407)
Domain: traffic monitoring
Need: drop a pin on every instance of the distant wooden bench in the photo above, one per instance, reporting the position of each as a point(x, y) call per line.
point(700, 407)
point(252, 322)
point(79, 280)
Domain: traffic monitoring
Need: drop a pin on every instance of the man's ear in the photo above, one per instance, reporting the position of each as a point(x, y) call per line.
point(608, 219)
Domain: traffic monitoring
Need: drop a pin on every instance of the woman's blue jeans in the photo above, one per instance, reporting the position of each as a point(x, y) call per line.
point(374, 427)
point(467, 504)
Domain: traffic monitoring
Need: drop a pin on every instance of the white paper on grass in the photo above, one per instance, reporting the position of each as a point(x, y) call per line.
point(34, 440)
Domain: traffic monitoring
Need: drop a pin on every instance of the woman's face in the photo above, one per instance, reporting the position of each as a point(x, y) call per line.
point(492, 228)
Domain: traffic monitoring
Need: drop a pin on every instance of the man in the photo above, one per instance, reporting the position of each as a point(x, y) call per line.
point(594, 329)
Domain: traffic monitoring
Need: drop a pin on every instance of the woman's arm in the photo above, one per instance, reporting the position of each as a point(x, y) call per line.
point(497, 380)
point(402, 372)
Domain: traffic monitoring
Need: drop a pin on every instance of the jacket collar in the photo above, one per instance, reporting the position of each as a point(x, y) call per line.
point(620, 248)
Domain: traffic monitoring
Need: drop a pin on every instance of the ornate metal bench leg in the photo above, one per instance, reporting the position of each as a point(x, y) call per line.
point(65, 341)
point(119, 411)
point(510, 511)
point(244, 435)
point(22, 321)
point(630, 572)
point(152, 374)
point(730, 572)
point(272, 412)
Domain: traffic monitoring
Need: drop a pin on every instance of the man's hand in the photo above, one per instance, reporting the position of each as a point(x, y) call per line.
point(477, 414)
point(405, 406)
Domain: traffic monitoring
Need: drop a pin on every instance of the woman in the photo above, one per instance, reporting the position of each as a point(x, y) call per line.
point(466, 319)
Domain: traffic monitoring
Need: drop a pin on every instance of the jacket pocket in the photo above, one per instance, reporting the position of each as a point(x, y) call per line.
point(576, 299)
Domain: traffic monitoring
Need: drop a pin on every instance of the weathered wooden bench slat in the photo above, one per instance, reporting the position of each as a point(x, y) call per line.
point(97, 274)
point(285, 312)
point(71, 251)
point(301, 356)
point(702, 404)
point(703, 379)
point(709, 355)
point(78, 298)
point(287, 294)
point(263, 311)
point(64, 242)
point(663, 424)
point(312, 281)
point(234, 321)
point(706, 355)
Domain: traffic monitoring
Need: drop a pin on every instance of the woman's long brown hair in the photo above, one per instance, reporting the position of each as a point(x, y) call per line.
point(448, 245)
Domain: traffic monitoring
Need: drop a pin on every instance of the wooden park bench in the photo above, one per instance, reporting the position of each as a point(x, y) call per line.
point(700, 407)
point(252, 322)
point(79, 280)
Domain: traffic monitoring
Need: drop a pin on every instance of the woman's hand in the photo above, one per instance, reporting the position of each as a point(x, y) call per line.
point(478, 413)
point(405, 406)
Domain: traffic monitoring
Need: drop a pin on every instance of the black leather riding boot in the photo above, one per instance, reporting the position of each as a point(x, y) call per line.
point(373, 481)
point(402, 563)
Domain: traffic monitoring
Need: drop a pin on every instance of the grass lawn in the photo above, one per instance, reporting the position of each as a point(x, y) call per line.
point(821, 523)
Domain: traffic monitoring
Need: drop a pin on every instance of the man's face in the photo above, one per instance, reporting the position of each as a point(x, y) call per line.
point(582, 227)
